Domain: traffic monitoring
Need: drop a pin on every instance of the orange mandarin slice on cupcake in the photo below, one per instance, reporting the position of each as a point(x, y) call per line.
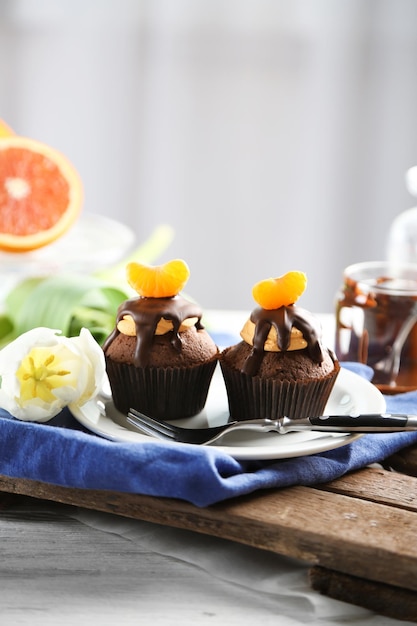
point(273, 293)
point(160, 281)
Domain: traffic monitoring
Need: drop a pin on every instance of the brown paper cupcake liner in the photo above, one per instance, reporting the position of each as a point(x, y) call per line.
point(252, 397)
point(164, 393)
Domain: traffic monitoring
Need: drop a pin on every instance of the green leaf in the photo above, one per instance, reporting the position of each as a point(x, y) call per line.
point(66, 303)
point(99, 323)
point(18, 296)
point(6, 326)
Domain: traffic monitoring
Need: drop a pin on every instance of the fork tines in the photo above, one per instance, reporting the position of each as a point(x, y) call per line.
point(150, 425)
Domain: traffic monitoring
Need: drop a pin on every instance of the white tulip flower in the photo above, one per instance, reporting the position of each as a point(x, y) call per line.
point(42, 372)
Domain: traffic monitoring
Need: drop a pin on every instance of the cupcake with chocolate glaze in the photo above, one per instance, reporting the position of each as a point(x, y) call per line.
point(159, 358)
point(280, 368)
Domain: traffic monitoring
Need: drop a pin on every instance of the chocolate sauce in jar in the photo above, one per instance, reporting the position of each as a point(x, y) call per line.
point(283, 320)
point(376, 322)
point(146, 313)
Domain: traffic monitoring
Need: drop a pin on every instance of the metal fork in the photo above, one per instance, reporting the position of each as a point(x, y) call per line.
point(367, 423)
point(201, 436)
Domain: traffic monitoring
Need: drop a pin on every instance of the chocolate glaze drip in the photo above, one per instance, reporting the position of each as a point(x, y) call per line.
point(146, 313)
point(283, 320)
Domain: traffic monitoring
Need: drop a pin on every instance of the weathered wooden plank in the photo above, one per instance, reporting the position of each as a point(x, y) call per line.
point(383, 599)
point(404, 461)
point(377, 485)
point(366, 539)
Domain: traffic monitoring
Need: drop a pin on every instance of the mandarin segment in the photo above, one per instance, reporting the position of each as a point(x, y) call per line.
point(159, 281)
point(272, 293)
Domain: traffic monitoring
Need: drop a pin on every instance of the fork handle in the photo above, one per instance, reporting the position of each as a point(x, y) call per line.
point(365, 423)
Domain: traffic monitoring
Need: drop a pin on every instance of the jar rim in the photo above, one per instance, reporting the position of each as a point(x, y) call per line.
point(400, 278)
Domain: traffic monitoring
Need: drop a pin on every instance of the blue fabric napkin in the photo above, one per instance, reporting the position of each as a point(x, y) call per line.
point(66, 455)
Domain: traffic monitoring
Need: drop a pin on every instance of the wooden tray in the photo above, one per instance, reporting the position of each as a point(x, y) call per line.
point(358, 533)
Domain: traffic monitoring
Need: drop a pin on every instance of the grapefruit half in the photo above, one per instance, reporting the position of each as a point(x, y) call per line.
point(41, 194)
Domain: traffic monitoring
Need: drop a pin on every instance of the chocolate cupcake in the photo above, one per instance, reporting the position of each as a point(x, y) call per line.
point(281, 367)
point(159, 359)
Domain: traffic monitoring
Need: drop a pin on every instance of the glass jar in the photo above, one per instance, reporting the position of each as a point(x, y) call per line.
point(376, 316)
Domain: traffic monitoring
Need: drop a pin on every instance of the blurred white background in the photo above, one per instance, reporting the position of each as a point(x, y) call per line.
point(271, 134)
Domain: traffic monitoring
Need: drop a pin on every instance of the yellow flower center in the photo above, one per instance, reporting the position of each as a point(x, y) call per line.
point(39, 374)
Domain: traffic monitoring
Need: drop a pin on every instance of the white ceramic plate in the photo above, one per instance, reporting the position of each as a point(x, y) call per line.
point(350, 394)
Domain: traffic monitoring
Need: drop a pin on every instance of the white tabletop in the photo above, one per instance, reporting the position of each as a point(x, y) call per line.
point(63, 566)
